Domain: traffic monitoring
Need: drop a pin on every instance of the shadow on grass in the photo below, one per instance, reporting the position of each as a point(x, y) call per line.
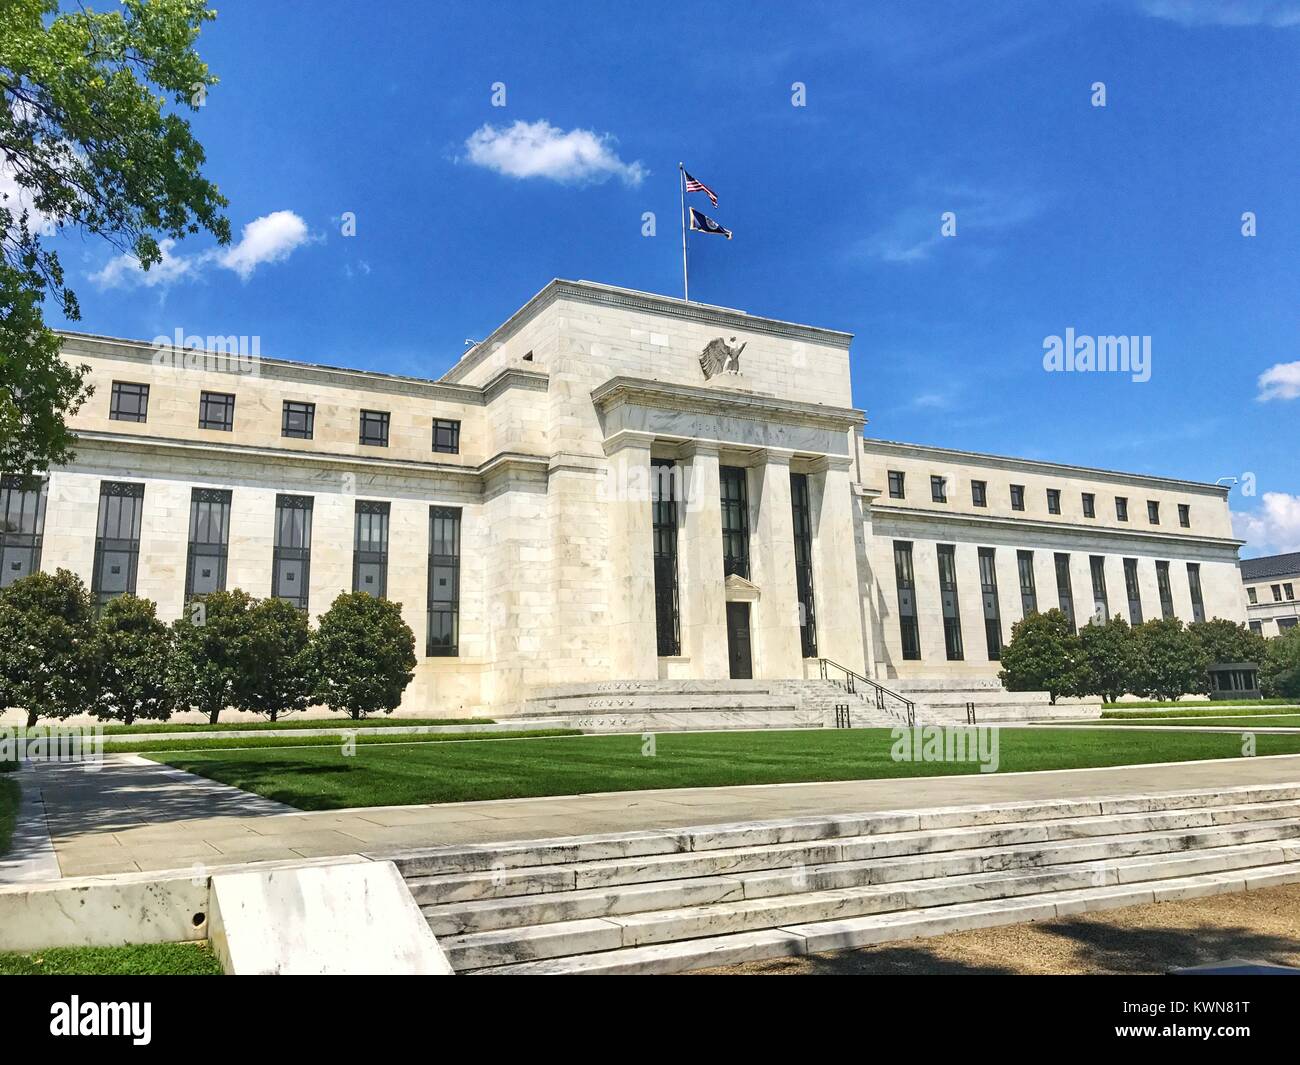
point(1107, 948)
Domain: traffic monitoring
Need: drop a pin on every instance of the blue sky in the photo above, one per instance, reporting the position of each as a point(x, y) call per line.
point(1124, 219)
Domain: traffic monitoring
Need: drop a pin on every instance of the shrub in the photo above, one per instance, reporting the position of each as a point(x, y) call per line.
point(364, 653)
point(1279, 674)
point(46, 630)
point(132, 652)
point(1043, 655)
point(1109, 659)
point(1171, 662)
point(280, 675)
point(211, 653)
point(1226, 641)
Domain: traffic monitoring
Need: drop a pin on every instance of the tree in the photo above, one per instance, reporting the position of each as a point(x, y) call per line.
point(211, 653)
point(46, 634)
point(1171, 661)
point(280, 677)
point(1109, 659)
point(1043, 655)
point(365, 654)
point(1226, 641)
point(88, 143)
point(1279, 674)
point(132, 650)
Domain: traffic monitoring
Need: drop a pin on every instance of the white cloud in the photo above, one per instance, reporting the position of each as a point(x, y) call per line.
point(18, 199)
point(1279, 382)
point(1276, 13)
point(1274, 528)
point(538, 149)
point(914, 232)
point(125, 269)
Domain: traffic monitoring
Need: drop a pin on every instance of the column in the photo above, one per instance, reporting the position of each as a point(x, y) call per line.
point(836, 585)
point(633, 647)
point(700, 582)
point(777, 651)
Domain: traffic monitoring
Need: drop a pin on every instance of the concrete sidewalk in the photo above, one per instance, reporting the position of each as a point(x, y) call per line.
point(133, 814)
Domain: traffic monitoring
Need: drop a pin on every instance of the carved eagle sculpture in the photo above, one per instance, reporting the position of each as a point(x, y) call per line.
point(719, 357)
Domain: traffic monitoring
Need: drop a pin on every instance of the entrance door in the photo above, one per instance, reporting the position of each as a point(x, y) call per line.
point(738, 641)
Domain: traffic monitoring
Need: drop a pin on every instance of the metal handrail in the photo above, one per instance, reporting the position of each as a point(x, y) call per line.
point(852, 679)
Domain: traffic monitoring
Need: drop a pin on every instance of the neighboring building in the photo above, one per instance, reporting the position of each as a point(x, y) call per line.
point(1272, 584)
point(613, 486)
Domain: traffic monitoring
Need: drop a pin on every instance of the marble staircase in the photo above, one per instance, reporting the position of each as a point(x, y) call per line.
point(942, 701)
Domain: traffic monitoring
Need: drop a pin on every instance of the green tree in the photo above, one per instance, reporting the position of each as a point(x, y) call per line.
point(1043, 655)
point(132, 652)
point(46, 637)
point(1226, 641)
point(211, 652)
point(1279, 674)
point(280, 677)
point(1172, 663)
point(91, 137)
point(1109, 659)
point(365, 655)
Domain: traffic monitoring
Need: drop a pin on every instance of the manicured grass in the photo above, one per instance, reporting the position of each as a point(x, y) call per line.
point(1193, 706)
point(155, 959)
point(1246, 722)
point(9, 795)
point(239, 743)
point(339, 721)
point(321, 779)
point(1199, 710)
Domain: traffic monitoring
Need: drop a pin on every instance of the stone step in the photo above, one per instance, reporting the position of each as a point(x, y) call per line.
point(684, 703)
point(588, 689)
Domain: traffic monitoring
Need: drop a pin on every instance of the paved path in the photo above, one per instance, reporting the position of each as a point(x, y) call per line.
point(133, 814)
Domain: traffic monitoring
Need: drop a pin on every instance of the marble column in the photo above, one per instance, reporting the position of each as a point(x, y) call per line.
point(777, 651)
point(701, 588)
point(633, 647)
point(836, 582)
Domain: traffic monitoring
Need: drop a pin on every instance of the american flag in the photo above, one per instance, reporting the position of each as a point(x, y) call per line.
point(698, 186)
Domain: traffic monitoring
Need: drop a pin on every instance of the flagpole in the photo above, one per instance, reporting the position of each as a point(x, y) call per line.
point(686, 279)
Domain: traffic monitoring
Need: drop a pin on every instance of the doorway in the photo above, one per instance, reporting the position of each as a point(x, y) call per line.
point(742, 667)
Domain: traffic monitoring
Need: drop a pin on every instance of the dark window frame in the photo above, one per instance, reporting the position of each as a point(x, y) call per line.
point(378, 420)
point(1185, 515)
point(22, 526)
point(953, 645)
point(444, 532)
point(938, 488)
point(302, 410)
point(138, 396)
point(1165, 589)
point(1133, 589)
point(1121, 508)
point(897, 484)
point(979, 493)
point(733, 484)
point(291, 554)
point(377, 516)
point(217, 411)
point(1100, 596)
point(1153, 512)
point(1028, 584)
point(121, 509)
point(1017, 497)
point(1065, 587)
point(905, 580)
point(209, 538)
point(449, 431)
point(664, 531)
point(1089, 504)
point(1054, 501)
point(801, 515)
point(989, 596)
point(1194, 586)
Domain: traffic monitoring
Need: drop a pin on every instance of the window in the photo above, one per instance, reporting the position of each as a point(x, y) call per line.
point(1185, 515)
point(291, 561)
point(1257, 627)
point(217, 411)
point(1065, 589)
point(907, 627)
point(370, 549)
point(374, 428)
point(938, 489)
point(735, 522)
point(446, 436)
point(1017, 497)
point(948, 598)
point(803, 573)
point(1089, 505)
point(1121, 508)
point(1028, 590)
point(1289, 591)
point(22, 526)
point(298, 420)
point(1252, 596)
point(1133, 590)
point(979, 493)
point(129, 402)
point(989, 593)
point(1194, 583)
point(1153, 512)
point(1283, 624)
point(663, 520)
point(896, 483)
point(1053, 501)
point(1166, 592)
point(443, 639)
point(205, 560)
point(117, 540)
point(1277, 592)
point(1100, 601)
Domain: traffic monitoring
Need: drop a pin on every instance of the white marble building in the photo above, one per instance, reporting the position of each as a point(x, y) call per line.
point(614, 485)
point(1272, 587)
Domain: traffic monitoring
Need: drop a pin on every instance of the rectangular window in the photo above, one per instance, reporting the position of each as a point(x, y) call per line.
point(979, 493)
point(1284, 624)
point(446, 436)
point(1257, 627)
point(1166, 591)
point(1089, 505)
point(22, 527)
point(298, 420)
point(989, 593)
point(1121, 508)
point(948, 598)
point(117, 540)
point(903, 574)
point(291, 561)
point(205, 560)
point(1289, 590)
point(896, 482)
point(370, 549)
point(217, 411)
point(1185, 515)
point(374, 428)
point(1253, 596)
point(1153, 512)
point(938, 489)
point(1100, 601)
point(735, 521)
point(1028, 589)
point(443, 639)
point(1133, 590)
point(803, 571)
point(663, 519)
point(1017, 497)
point(129, 402)
point(1194, 583)
point(1053, 501)
point(1065, 589)
point(1277, 592)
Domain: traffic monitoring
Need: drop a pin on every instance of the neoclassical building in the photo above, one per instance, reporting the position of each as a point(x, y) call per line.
point(613, 486)
point(1271, 583)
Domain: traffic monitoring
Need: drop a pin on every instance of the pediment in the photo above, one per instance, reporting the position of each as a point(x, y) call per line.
point(739, 590)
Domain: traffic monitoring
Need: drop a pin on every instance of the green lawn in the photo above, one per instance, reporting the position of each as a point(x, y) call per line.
point(380, 775)
point(1244, 721)
point(1258, 706)
point(181, 743)
point(155, 959)
point(9, 793)
point(236, 725)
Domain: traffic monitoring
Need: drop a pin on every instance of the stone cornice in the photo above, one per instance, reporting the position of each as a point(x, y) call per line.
point(693, 398)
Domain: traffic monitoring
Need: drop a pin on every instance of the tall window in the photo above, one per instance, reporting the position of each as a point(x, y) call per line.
point(205, 561)
point(948, 597)
point(663, 518)
point(1153, 512)
point(1053, 501)
point(1017, 497)
point(117, 539)
point(903, 574)
point(896, 483)
point(374, 428)
point(1166, 592)
point(370, 549)
point(129, 402)
point(938, 489)
point(444, 582)
point(1065, 589)
point(22, 525)
point(735, 521)
point(298, 420)
point(446, 436)
point(1100, 601)
point(1277, 592)
point(1121, 508)
point(979, 493)
point(803, 572)
point(217, 411)
point(1089, 505)
point(1185, 515)
point(1028, 589)
point(1253, 596)
point(1289, 590)
point(1194, 583)
point(1133, 590)
point(291, 565)
point(989, 593)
